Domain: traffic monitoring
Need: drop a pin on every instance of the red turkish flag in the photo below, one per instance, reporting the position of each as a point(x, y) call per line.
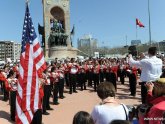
point(139, 23)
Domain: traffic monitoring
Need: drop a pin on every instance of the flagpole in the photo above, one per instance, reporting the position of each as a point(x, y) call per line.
point(149, 22)
point(136, 31)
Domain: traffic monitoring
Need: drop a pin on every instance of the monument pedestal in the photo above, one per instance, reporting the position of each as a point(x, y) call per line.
point(62, 52)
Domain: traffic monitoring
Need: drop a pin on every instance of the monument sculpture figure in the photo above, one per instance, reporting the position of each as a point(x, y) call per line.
point(57, 34)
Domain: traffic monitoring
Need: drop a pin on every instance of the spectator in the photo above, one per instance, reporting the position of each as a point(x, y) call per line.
point(156, 91)
point(109, 109)
point(82, 117)
point(155, 97)
point(163, 121)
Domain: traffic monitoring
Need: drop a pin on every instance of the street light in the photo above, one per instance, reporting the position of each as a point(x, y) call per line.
point(149, 22)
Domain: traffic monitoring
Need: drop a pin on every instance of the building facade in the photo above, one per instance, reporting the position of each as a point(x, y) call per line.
point(87, 44)
point(17, 51)
point(87, 41)
point(135, 42)
point(9, 49)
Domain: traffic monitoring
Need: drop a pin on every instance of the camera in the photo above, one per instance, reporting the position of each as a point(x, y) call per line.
point(132, 112)
point(144, 109)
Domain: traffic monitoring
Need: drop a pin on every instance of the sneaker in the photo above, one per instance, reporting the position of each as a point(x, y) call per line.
point(75, 91)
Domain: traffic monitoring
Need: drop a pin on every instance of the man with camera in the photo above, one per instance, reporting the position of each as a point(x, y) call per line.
point(151, 69)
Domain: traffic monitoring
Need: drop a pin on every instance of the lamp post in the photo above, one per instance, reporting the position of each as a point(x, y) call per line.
point(149, 22)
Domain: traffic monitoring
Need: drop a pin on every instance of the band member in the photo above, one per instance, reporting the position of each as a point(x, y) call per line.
point(66, 71)
point(133, 80)
point(113, 75)
point(107, 73)
point(82, 77)
point(12, 81)
point(47, 93)
point(73, 76)
point(16, 70)
point(96, 71)
point(1, 80)
point(61, 81)
point(4, 74)
point(122, 73)
point(102, 72)
point(90, 73)
point(79, 74)
point(55, 81)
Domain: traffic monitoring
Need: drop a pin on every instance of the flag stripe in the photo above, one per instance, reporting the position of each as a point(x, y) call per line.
point(21, 71)
point(36, 47)
point(24, 117)
point(25, 78)
point(29, 79)
point(42, 68)
point(33, 88)
point(22, 61)
point(35, 42)
point(39, 58)
point(20, 90)
point(39, 64)
point(36, 94)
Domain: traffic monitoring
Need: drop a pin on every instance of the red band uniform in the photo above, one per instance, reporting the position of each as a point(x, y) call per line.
point(47, 92)
point(96, 72)
point(12, 83)
point(55, 80)
point(73, 77)
point(61, 81)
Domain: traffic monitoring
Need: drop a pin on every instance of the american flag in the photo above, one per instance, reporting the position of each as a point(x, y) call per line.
point(32, 64)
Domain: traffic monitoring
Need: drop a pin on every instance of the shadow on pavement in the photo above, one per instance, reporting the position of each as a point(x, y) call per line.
point(6, 116)
point(126, 96)
point(1, 97)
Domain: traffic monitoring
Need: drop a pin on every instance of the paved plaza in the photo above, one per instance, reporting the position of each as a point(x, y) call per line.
point(83, 100)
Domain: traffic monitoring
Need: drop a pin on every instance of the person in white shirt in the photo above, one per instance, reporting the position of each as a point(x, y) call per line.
point(109, 109)
point(151, 69)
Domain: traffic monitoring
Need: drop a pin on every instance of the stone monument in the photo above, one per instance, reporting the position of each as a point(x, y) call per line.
point(56, 34)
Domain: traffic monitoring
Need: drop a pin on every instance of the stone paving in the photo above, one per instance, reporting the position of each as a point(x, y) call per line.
point(83, 100)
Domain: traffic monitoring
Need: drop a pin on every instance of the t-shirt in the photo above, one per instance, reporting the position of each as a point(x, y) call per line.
point(104, 114)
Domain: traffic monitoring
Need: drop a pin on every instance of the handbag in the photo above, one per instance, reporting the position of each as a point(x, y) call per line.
point(125, 112)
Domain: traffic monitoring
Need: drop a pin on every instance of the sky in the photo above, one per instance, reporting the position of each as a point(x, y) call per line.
point(109, 21)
